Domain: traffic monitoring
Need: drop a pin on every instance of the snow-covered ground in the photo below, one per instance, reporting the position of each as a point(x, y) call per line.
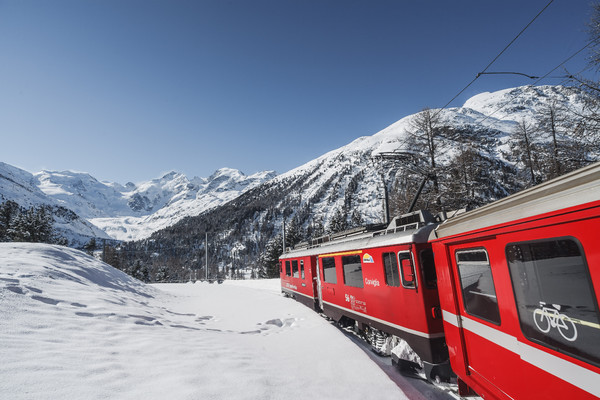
point(72, 327)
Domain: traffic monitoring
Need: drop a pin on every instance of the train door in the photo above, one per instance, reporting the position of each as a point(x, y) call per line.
point(313, 268)
point(487, 361)
point(318, 282)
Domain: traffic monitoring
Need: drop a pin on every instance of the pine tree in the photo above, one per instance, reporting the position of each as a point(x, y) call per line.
point(356, 219)
point(269, 259)
point(8, 212)
point(338, 222)
point(162, 275)
point(293, 233)
point(90, 246)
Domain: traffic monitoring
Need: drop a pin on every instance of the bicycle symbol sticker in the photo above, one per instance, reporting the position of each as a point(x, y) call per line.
point(549, 317)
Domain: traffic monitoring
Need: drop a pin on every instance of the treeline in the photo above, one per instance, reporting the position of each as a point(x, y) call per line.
point(457, 166)
point(467, 167)
point(33, 224)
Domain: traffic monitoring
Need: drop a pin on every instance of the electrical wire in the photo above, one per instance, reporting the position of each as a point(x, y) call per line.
point(495, 58)
point(542, 78)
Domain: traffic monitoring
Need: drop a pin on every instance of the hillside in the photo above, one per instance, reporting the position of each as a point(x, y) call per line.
point(22, 188)
point(477, 160)
point(84, 207)
point(494, 145)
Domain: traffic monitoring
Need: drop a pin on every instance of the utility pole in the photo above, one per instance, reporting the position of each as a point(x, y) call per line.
point(206, 253)
point(283, 235)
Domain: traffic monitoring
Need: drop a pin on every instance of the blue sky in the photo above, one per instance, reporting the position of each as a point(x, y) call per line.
point(129, 89)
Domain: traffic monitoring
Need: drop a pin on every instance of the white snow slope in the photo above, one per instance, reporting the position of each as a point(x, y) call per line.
point(73, 327)
point(22, 187)
point(321, 184)
point(134, 212)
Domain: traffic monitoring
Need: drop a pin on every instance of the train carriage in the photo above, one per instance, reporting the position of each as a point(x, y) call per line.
point(383, 282)
point(519, 282)
point(299, 279)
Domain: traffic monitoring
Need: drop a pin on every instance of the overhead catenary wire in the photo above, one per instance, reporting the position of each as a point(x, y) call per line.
point(495, 58)
point(543, 77)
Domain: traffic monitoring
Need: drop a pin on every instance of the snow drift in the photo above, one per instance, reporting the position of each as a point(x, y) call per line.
point(73, 327)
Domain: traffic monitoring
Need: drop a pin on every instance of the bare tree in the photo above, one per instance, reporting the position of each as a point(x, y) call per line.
point(424, 137)
point(523, 150)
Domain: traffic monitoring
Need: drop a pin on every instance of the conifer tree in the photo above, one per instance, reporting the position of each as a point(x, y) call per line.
point(338, 222)
point(269, 259)
point(90, 246)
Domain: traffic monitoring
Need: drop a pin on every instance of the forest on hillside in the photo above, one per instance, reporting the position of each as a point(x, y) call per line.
point(442, 166)
point(458, 167)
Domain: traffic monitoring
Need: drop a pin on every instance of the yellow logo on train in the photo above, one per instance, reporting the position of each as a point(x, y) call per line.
point(368, 259)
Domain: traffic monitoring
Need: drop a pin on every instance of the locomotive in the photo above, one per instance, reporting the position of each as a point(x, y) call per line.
point(503, 297)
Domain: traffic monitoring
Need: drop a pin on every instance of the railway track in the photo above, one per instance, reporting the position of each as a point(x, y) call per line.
point(414, 386)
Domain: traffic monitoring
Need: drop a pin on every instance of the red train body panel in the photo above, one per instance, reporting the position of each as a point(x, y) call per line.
point(517, 281)
point(299, 279)
point(384, 280)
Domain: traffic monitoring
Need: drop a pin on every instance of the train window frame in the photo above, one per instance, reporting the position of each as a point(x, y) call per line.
point(302, 269)
point(326, 270)
point(551, 336)
point(351, 277)
point(295, 272)
point(405, 282)
point(429, 272)
point(288, 268)
point(393, 268)
point(469, 300)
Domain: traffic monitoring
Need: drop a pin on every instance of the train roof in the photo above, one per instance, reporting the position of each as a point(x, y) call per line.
point(573, 189)
point(416, 230)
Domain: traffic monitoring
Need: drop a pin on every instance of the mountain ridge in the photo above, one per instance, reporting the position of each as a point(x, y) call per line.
point(343, 184)
point(110, 210)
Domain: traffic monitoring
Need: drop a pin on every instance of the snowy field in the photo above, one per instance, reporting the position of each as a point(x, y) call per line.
point(72, 327)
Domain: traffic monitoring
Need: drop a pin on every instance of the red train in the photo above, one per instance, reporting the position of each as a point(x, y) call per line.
point(510, 302)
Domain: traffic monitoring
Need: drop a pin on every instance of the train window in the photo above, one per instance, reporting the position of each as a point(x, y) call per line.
point(353, 275)
point(477, 283)
point(428, 266)
point(295, 269)
point(328, 264)
point(407, 270)
point(288, 268)
point(390, 264)
point(555, 298)
point(302, 269)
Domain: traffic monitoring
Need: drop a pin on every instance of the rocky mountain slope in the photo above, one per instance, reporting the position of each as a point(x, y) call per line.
point(344, 187)
point(478, 160)
point(109, 210)
point(22, 187)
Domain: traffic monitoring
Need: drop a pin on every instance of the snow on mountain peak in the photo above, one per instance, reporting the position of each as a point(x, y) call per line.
point(521, 102)
point(163, 202)
point(135, 211)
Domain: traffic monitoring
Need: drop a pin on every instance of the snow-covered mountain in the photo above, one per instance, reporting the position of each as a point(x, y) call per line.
point(22, 187)
point(345, 181)
point(129, 212)
point(350, 176)
point(348, 182)
point(162, 202)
